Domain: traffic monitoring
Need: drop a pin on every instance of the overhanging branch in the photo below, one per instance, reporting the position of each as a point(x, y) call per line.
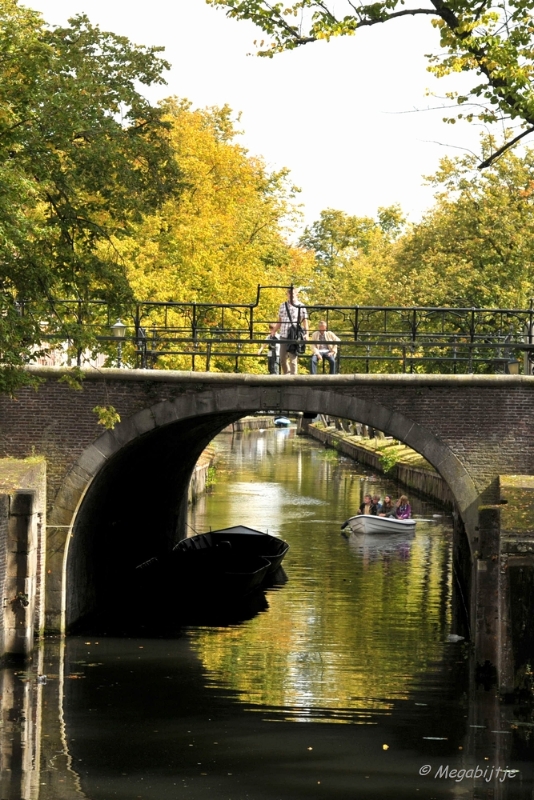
point(498, 153)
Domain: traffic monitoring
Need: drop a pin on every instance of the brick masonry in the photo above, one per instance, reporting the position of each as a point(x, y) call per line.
point(470, 428)
point(486, 421)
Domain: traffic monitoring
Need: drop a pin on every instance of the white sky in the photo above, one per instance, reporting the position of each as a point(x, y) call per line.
point(330, 112)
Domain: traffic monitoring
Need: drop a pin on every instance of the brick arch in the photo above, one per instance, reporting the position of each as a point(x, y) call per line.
point(216, 408)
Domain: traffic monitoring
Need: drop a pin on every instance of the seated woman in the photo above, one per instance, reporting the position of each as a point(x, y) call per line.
point(388, 509)
point(367, 507)
point(403, 509)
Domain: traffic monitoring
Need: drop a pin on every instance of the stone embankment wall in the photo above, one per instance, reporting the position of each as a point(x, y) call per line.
point(250, 424)
point(200, 478)
point(411, 469)
point(22, 554)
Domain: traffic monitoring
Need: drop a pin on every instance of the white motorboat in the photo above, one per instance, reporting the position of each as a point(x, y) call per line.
point(369, 523)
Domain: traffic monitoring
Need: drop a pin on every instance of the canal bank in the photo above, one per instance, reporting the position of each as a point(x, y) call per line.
point(388, 457)
point(255, 423)
point(202, 476)
point(204, 473)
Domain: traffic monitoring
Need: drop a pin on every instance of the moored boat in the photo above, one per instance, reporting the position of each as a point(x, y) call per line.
point(240, 541)
point(369, 523)
point(219, 569)
point(200, 573)
point(232, 562)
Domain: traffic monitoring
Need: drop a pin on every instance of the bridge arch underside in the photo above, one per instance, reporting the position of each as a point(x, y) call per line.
point(134, 503)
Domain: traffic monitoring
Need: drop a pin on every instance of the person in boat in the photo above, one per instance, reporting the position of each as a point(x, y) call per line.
point(388, 508)
point(368, 507)
point(377, 503)
point(403, 510)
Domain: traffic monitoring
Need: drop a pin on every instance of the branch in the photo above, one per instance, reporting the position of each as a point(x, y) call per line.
point(407, 12)
point(300, 40)
point(499, 85)
point(16, 125)
point(498, 153)
point(326, 10)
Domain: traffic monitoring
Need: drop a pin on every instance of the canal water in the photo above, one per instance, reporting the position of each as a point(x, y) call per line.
point(345, 681)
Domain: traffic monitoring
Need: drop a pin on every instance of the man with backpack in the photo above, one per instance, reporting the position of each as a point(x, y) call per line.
point(293, 326)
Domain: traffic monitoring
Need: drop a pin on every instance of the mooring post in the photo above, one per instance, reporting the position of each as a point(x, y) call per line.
point(487, 600)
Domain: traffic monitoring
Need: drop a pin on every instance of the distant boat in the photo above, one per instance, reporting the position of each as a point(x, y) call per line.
point(369, 523)
point(282, 422)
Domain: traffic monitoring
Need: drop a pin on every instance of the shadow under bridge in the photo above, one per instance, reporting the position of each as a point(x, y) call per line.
point(135, 505)
point(134, 509)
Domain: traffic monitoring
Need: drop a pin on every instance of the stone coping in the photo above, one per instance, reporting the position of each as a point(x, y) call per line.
point(14, 471)
point(516, 481)
point(224, 378)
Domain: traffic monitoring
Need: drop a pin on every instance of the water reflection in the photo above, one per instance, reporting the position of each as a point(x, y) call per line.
point(342, 685)
point(354, 616)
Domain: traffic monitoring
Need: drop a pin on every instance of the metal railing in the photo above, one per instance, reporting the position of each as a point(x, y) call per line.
point(227, 336)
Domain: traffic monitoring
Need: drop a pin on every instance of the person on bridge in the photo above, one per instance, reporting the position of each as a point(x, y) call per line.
point(291, 313)
point(324, 348)
point(403, 509)
point(272, 342)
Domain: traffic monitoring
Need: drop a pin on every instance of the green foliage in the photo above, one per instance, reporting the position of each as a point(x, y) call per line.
point(351, 256)
point(74, 379)
point(491, 41)
point(388, 460)
point(12, 379)
point(223, 236)
point(475, 248)
point(82, 156)
point(211, 477)
point(107, 416)
point(330, 453)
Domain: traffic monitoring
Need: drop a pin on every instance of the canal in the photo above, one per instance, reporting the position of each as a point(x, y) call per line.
point(346, 680)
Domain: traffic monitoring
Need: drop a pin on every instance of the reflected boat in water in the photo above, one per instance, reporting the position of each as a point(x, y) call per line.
point(369, 545)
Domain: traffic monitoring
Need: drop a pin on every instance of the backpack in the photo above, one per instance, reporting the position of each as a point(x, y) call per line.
point(274, 341)
point(295, 334)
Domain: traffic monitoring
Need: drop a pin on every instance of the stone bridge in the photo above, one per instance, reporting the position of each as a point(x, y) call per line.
point(117, 497)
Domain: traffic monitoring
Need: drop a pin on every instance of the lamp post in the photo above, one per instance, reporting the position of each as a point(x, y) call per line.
point(512, 366)
point(119, 330)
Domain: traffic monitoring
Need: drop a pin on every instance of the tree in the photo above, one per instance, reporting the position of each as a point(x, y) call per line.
point(494, 41)
point(352, 255)
point(475, 248)
point(83, 155)
point(224, 235)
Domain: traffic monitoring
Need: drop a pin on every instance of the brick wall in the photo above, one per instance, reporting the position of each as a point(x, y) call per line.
point(22, 554)
point(471, 428)
point(486, 421)
point(4, 521)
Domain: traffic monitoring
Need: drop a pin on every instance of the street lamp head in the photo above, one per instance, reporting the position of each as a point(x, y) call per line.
point(119, 329)
point(512, 366)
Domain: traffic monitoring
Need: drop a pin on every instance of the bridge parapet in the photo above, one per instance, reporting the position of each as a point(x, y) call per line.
point(197, 336)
